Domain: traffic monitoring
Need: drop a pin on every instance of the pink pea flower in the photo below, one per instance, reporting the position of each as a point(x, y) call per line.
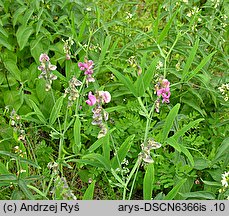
point(52, 67)
point(165, 83)
point(43, 58)
point(106, 96)
point(91, 99)
point(90, 78)
point(87, 66)
point(163, 89)
point(81, 65)
point(166, 97)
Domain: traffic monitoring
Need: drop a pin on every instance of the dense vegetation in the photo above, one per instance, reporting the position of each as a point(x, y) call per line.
point(114, 99)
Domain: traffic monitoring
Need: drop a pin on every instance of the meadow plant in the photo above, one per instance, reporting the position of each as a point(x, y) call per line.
point(139, 102)
point(46, 69)
point(100, 116)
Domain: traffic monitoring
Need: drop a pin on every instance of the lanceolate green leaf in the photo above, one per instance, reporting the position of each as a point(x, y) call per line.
point(148, 182)
point(184, 129)
point(100, 141)
point(199, 194)
point(222, 150)
point(173, 142)
point(143, 81)
point(18, 13)
point(190, 59)
point(23, 35)
point(11, 66)
point(165, 31)
point(169, 121)
point(124, 80)
point(188, 154)
point(19, 158)
point(175, 190)
point(3, 169)
point(201, 65)
point(4, 42)
point(89, 193)
point(38, 112)
point(55, 110)
point(7, 177)
point(104, 51)
point(99, 158)
point(25, 189)
point(195, 106)
point(122, 152)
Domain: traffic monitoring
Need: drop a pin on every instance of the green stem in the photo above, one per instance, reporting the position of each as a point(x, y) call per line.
point(170, 50)
point(136, 166)
point(142, 106)
point(132, 187)
point(49, 185)
point(60, 155)
point(77, 100)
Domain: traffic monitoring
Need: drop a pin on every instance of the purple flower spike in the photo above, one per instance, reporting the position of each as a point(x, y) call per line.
point(87, 67)
point(162, 89)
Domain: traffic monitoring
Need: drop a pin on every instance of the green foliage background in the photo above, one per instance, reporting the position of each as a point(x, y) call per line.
point(123, 38)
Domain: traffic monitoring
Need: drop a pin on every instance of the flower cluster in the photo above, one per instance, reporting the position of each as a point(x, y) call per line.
point(72, 90)
point(99, 114)
point(46, 69)
point(133, 63)
point(159, 65)
point(145, 154)
point(224, 89)
point(19, 152)
point(87, 67)
point(194, 11)
point(124, 170)
point(215, 3)
point(67, 47)
point(225, 179)
point(162, 90)
point(15, 122)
